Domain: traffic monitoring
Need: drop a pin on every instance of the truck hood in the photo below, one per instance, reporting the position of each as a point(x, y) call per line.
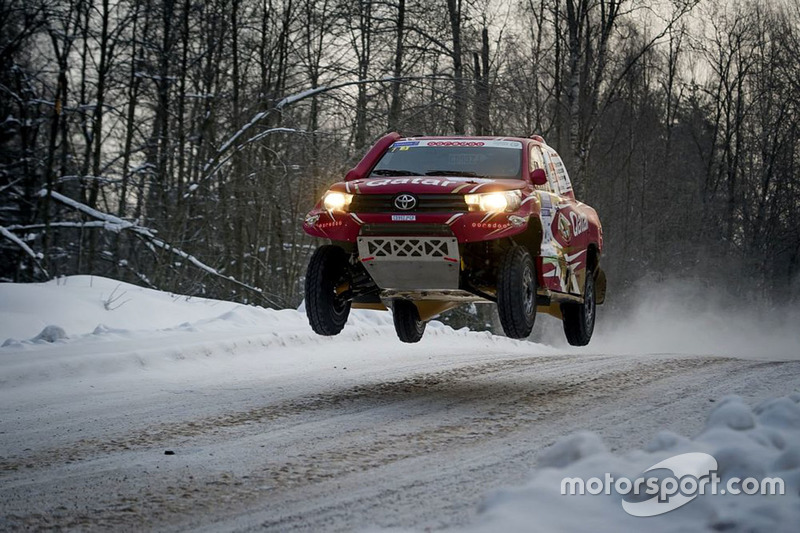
point(427, 185)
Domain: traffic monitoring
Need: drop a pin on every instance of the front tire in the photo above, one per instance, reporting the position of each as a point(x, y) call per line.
point(326, 310)
point(407, 324)
point(516, 293)
point(579, 319)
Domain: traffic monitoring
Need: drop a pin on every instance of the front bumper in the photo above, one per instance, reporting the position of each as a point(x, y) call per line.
point(464, 226)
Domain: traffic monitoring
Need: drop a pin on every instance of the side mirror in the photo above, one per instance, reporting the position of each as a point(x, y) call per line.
point(538, 177)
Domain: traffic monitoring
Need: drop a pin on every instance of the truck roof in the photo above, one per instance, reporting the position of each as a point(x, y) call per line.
point(533, 138)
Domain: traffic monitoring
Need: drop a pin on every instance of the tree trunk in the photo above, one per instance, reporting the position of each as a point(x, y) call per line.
point(460, 89)
point(482, 122)
point(396, 107)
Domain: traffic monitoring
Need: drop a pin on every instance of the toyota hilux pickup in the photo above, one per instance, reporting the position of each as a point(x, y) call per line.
point(424, 224)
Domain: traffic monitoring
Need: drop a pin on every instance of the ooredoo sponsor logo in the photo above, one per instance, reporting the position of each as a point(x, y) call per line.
point(456, 143)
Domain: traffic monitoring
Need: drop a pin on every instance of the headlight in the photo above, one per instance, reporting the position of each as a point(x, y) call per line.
point(336, 201)
point(494, 202)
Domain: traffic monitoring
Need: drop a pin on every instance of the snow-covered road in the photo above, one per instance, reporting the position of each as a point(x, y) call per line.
point(283, 430)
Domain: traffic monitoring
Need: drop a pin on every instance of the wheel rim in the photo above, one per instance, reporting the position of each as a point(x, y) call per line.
point(339, 303)
point(529, 286)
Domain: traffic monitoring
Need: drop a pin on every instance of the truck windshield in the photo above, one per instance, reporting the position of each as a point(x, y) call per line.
point(452, 157)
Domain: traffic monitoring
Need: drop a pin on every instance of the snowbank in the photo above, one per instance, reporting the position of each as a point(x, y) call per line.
point(760, 442)
point(82, 325)
point(81, 304)
point(91, 305)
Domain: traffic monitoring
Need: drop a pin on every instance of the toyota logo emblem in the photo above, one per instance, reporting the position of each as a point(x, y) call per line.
point(405, 202)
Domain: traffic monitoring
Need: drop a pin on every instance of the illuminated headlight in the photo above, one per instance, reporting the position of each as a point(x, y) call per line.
point(494, 202)
point(336, 201)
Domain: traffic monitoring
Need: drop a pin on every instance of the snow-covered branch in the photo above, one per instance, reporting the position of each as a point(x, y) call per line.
point(25, 248)
point(9, 185)
point(62, 224)
point(215, 163)
point(94, 213)
point(227, 144)
point(221, 162)
point(116, 224)
point(325, 88)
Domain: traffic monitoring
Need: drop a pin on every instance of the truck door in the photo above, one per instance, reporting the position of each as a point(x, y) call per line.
point(567, 228)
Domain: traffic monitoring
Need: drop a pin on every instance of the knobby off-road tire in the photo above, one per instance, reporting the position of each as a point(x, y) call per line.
point(407, 324)
point(326, 311)
point(516, 293)
point(579, 319)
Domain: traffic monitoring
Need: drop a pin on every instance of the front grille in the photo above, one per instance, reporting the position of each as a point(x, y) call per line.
point(406, 228)
point(426, 203)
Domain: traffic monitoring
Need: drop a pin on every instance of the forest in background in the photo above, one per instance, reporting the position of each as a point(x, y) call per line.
point(178, 144)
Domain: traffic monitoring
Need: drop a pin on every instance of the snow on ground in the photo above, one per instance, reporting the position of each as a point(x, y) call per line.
point(86, 325)
point(759, 442)
point(92, 357)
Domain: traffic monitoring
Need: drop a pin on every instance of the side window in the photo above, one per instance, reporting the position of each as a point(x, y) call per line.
point(552, 171)
point(537, 161)
point(564, 185)
point(536, 158)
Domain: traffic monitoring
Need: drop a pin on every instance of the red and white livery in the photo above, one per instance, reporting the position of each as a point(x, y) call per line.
point(423, 224)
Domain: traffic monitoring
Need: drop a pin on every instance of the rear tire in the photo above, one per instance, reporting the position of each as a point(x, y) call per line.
point(407, 324)
point(516, 293)
point(327, 312)
point(579, 319)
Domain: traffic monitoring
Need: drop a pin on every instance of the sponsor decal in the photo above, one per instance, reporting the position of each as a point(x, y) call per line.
point(456, 143)
point(422, 181)
point(564, 227)
point(491, 225)
point(579, 222)
point(405, 143)
point(330, 224)
point(404, 218)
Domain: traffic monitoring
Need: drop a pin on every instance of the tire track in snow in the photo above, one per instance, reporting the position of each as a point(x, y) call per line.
point(340, 434)
point(355, 397)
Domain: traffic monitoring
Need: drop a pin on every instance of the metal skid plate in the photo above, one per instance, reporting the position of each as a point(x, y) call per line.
point(411, 263)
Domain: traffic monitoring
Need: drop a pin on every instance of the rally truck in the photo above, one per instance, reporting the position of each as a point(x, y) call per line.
point(424, 224)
